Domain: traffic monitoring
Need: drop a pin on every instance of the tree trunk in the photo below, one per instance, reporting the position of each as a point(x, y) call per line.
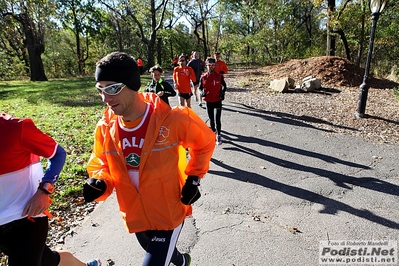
point(343, 37)
point(204, 39)
point(330, 38)
point(172, 53)
point(159, 51)
point(35, 46)
point(361, 37)
point(150, 51)
point(78, 52)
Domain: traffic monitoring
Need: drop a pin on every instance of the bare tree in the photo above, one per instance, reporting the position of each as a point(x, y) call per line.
point(198, 12)
point(135, 10)
point(76, 17)
point(12, 40)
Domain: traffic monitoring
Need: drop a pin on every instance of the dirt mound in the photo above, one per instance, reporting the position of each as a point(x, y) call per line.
point(333, 71)
point(333, 108)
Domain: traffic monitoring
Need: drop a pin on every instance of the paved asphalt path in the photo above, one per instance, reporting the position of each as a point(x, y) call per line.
point(276, 188)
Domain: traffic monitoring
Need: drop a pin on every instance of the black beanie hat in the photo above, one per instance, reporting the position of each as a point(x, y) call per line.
point(119, 67)
point(210, 60)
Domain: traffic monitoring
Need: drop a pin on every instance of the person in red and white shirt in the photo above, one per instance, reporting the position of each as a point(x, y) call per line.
point(24, 194)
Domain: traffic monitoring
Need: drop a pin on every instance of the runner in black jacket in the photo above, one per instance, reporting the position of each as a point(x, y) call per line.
point(162, 88)
point(196, 64)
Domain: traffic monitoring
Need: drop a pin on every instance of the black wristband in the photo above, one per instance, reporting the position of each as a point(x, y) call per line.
point(46, 187)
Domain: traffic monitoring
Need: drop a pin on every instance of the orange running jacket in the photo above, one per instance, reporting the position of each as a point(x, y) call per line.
point(163, 167)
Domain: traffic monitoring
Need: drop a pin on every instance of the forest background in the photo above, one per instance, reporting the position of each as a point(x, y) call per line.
point(42, 39)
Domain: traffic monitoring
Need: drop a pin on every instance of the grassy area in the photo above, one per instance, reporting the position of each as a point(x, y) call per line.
point(396, 93)
point(67, 110)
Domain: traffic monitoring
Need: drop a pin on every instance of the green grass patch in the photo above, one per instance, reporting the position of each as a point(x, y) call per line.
point(67, 110)
point(396, 92)
point(145, 79)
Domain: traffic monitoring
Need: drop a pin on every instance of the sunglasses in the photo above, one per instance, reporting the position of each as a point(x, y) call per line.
point(112, 89)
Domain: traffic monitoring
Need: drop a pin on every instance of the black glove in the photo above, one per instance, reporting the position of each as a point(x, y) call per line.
point(190, 192)
point(222, 96)
point(221, 72)
point(93, 189)
point(203, 93)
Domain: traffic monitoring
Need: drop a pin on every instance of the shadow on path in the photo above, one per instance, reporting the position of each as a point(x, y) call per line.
point(285, 118)
point(339, 179)
point(331, 206)
point(234, 139)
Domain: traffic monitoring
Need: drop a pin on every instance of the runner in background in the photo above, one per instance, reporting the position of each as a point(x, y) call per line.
point(183, 75)
point(140, 64)
point(175, 61)
point(220, 66)
point(212, 88)
point(196, 64)
point(158, 86)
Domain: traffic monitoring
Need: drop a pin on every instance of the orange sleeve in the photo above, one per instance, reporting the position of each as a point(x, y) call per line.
point(98, 165)
point(224, 67)
point(174, 74)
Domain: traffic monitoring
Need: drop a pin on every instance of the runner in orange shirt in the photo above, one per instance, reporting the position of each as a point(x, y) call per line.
point(140, 64)
point(175, 61)
point(220, 66)
point(182, 75)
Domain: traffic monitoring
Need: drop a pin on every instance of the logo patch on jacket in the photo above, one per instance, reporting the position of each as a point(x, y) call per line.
point(133, 160)
point(163, 134)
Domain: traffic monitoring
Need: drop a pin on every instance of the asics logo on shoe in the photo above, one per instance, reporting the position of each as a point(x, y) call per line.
point(157, 239)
